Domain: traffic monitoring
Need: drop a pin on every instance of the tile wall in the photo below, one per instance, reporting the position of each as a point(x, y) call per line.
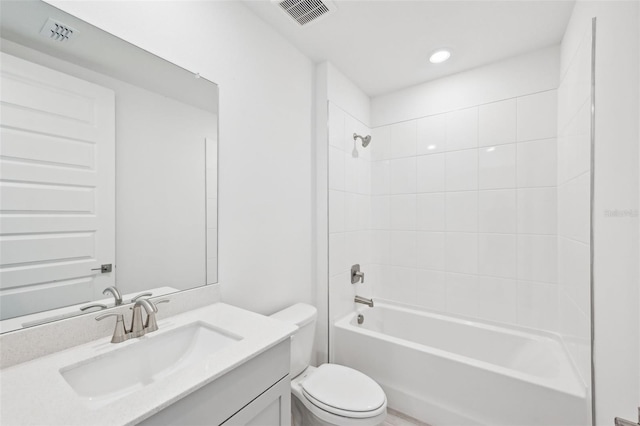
point(463, 211)
point(574, 197)
point(349, 211)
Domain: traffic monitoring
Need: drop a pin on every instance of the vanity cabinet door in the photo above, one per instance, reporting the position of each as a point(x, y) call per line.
point(251, 386)
point(271, 408)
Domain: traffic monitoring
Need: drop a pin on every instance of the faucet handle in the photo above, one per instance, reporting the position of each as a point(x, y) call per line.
point(152, 324)
point(95, 305)
point(135, 299)
point(119, 333)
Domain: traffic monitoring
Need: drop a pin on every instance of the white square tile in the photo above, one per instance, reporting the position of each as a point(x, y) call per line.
point(336, 127)
point(462, 211)
point(337, 253)
point(380, 212)
point(431, 291)
point(572, 321)
point(431, 134)
point(342, 295)
point(351, 249)
point(497, 255)
point(462, 129)
point(403, 248)
point(403, 139)
point(537, 305)
point(403, 176)
point(380, 179)
point(430, 250)
point(350, 127)
point(364, 176)
point(461, 170)
point(430, 173)
point(380, 145)
point(461, 252)
point(497, 123)
point(351, 172)
point(574, 271)
point(574, 219)
point(363, 204)
point(537, 116)
point(537, 163)
point(403, 212)
point(336, 211)
point(336, 169)
point(401, 286)
point(497, 167)
point(380, 247)
point(537, 211)
point(497, 300)
point(497, 211)
point(537, 258)
point(351, 218)
point(430, 212)
point(462, 294)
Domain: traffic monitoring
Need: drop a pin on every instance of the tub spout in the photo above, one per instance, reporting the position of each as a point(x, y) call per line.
point(364, 301)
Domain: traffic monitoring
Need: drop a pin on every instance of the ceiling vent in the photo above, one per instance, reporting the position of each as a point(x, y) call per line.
point(57, 31)
point(305, 12)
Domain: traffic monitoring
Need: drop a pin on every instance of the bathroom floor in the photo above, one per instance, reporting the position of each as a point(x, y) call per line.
point(396, 418)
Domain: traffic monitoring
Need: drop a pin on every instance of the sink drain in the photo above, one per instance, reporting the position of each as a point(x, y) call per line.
point(360, 318)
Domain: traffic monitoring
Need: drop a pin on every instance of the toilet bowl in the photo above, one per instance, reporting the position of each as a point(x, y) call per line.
point(329, 394)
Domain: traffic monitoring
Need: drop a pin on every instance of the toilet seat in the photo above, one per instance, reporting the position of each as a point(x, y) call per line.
point(344, 391)
point(325, 395)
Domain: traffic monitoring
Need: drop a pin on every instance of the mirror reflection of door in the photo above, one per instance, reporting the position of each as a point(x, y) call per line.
point(56, 189)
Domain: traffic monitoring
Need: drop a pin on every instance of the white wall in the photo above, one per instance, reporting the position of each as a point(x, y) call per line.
point(266, 87)
point(616, 188)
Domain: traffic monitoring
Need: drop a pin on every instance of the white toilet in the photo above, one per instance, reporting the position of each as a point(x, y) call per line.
point(330, 394)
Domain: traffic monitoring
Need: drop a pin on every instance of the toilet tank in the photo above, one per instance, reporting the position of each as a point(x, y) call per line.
point(304, 316)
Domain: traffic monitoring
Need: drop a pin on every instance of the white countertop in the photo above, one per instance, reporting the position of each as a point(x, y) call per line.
point(35, 393)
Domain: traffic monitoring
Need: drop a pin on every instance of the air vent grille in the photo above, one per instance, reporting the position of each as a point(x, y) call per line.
point(306, 11)
point(57, 31)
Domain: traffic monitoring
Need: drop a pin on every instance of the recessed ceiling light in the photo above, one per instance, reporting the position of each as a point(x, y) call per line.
point(439, 56)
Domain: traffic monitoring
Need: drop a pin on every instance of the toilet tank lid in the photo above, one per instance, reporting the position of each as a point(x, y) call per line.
point(299, 314)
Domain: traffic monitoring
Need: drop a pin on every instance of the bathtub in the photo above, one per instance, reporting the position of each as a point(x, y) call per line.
point(446, 370)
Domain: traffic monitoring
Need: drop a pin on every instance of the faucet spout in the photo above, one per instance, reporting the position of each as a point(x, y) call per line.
point(115, 293)
point(364, 301)
point(137, 325)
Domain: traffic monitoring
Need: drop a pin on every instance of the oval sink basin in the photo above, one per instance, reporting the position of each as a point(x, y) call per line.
point(105, 378)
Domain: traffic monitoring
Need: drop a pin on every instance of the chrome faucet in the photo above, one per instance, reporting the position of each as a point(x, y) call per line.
point(115, 293)
point(138, 327)
point(364, 301)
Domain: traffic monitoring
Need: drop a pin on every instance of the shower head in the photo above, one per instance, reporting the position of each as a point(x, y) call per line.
point(365, 140)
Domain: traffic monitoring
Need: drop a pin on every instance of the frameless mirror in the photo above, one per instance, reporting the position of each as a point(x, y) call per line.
point(108, 171)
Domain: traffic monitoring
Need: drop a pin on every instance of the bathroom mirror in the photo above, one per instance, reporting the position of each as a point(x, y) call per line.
point(108, 171)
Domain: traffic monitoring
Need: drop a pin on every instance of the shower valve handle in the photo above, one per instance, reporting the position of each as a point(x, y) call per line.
point(356, 275)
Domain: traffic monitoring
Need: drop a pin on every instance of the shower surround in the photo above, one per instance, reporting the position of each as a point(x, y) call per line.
point(459, 218)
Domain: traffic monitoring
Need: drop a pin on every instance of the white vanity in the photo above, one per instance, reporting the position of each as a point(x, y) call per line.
point(214, 365)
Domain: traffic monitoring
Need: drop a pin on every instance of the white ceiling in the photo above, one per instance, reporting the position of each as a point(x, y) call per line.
point(384, 45)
